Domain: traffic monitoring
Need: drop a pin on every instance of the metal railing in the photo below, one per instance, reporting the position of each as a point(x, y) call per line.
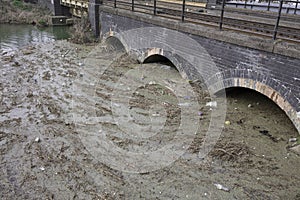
point(289, 6)
point(75, 3)
point(187, 12)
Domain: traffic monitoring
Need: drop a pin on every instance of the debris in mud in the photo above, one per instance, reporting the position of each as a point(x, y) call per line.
point(256, 127)
point(37, 139)
point(221, 187)
point(42, 168)
point(230, 151)
point(212, 104)
point(266, 133)
point(183, 104)
point(293, 140)
point(296, 149)
point(65, 165)
point(241, 121)
point(165, 67)
point(27, 51)
point(8, 58)
point(227, 122)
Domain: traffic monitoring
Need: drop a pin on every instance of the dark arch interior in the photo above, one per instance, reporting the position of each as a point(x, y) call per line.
point(252, 95)
point(159, 59)
point(257, 99)
point(115, 43)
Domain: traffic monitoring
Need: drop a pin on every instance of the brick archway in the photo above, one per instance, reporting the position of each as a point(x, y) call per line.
point(265, 89)
point(247, 78)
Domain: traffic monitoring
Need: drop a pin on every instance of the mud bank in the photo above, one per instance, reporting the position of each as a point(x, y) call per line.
point(55, 96)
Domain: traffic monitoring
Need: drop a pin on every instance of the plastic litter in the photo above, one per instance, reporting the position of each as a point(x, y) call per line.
point(42, 168)
point(156, 115)
point(116, 105)
point(183, 104)
point(165, 67)
point(212, 104)
point(293, 140)
point(221, 187)
point(227, 122)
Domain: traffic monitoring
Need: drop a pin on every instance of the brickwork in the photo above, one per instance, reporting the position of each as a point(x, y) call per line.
point(275, 76)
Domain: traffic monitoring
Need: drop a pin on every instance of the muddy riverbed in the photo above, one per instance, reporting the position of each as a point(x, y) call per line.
point(64, 134)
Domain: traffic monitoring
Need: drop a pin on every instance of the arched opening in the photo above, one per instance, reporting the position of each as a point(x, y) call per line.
point(156, 58)
point(254, 110)
point(115, 44)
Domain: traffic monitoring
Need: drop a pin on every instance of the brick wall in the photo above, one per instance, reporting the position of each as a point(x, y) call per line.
point(273, 75)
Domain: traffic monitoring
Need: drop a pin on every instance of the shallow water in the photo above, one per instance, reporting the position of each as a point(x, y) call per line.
point(14, 36)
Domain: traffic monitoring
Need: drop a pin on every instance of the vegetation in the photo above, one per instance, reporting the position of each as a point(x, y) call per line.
point(21, 5)
point(81, 31)
point(42, 22)
point(20, 12)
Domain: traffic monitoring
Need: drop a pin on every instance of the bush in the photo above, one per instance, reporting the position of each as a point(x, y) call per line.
point(82, 32)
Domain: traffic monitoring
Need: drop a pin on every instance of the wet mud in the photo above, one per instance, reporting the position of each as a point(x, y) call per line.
point(59, 99)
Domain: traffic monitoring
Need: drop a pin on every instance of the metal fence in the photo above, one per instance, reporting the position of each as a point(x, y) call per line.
point(289, 7)
point(186, 11)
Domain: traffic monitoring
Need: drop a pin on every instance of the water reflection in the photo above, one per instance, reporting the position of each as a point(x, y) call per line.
point(14, 36)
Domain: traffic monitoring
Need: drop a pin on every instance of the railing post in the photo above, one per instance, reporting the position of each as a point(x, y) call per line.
point(132, 5)
point(278, 19)
point(115, 3)
point(269, 3)
point(183, 10)
point(296, 7)
point(222, 15)
point(245, 6)
point(154, 7)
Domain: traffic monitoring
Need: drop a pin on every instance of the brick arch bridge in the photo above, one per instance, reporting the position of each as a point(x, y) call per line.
point(255, 75)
